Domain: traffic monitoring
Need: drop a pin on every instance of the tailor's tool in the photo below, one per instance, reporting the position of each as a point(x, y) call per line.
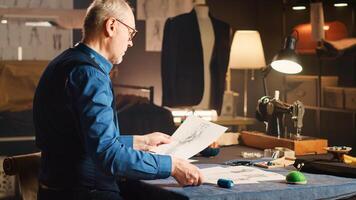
point(225, 183)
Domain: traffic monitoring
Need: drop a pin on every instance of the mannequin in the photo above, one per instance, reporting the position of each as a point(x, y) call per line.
point(207, 42)
point(194, 59)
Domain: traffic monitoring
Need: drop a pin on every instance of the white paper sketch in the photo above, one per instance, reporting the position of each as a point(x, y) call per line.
point(140, 11)
point(194, 135)
point(38, 43)
point(154, 34)
point(177, 7)
point(156, 9)
point(239, 174)
point(156, 12)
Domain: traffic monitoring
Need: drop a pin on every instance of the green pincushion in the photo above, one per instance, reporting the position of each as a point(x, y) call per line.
point(296, 177)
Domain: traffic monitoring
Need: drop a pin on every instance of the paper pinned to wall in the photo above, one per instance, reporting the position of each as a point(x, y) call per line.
point(36, 42)
point(194, 135)
point(239, 174)
point(156, 12)
point(162, 9)
point(154, 34)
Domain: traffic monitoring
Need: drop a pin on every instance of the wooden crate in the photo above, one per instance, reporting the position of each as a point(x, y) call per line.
point(333, 97)
point(301, 147)
point(350, 98)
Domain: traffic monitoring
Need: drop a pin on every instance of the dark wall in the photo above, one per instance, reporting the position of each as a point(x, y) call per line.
point(79, 4)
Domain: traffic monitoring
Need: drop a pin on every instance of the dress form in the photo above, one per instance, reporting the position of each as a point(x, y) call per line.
point(207, 41)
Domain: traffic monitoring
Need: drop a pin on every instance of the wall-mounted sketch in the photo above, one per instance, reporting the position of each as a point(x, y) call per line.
point(34, 37)
point(154, 34)
point(148, 10)
point(57, 41)
point(37, 4)
point(194, 135)
point(37, 42)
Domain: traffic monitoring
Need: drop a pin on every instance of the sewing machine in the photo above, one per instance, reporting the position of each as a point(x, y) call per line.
point(274, 112)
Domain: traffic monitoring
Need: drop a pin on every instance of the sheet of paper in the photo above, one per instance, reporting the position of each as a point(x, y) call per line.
point(194, 135)
point(239, 174)
point(147, 10)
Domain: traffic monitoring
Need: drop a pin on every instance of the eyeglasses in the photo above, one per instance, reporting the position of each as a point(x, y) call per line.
point(133, 31)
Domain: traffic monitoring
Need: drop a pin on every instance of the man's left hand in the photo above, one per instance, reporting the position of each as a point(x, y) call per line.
point(149, 141)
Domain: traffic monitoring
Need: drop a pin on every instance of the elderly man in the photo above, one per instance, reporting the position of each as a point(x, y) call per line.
point(76, 122)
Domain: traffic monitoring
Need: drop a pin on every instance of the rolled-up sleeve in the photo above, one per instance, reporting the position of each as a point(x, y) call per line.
point(91, 95)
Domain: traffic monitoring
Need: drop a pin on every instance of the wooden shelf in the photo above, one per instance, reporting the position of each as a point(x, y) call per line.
point(330, 109)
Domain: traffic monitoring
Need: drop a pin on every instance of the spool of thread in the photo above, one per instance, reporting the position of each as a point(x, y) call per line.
point(225, 183)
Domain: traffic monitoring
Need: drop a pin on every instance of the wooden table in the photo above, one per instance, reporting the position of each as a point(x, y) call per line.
point(318, 186)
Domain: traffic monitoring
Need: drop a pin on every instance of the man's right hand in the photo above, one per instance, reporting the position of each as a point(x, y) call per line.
point(185, 173)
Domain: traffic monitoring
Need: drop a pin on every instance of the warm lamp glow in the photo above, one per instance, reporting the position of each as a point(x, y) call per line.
point(247, 51)
point(286, 66)
point(340, 4)
point(39, 24)
point(286, 60)
point(299, 8)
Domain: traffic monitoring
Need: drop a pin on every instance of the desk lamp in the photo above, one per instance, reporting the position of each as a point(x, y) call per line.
point(285, 61)
point(246, 53)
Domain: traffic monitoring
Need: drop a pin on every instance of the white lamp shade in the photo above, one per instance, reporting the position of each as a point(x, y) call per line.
point(247, 51)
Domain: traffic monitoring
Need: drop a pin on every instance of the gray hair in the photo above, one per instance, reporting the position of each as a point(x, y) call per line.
point(100, 10)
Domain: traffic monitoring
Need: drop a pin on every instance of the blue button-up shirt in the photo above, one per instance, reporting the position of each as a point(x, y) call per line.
point(91, 97)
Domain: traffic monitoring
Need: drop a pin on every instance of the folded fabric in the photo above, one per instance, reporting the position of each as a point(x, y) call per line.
point(337, 48)
point(342, 44)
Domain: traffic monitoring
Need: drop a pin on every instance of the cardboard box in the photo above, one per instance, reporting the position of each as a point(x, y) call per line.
point(305, 88)
point(350, 98)
point(302, 88)
point(333, 97)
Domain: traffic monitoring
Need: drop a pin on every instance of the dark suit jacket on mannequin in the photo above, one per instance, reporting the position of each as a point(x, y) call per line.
point(182, 62)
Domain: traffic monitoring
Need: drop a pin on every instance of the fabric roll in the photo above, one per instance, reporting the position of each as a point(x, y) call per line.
point(317, 21)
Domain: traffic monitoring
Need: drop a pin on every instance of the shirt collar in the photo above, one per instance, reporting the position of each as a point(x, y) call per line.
point(104, 64)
